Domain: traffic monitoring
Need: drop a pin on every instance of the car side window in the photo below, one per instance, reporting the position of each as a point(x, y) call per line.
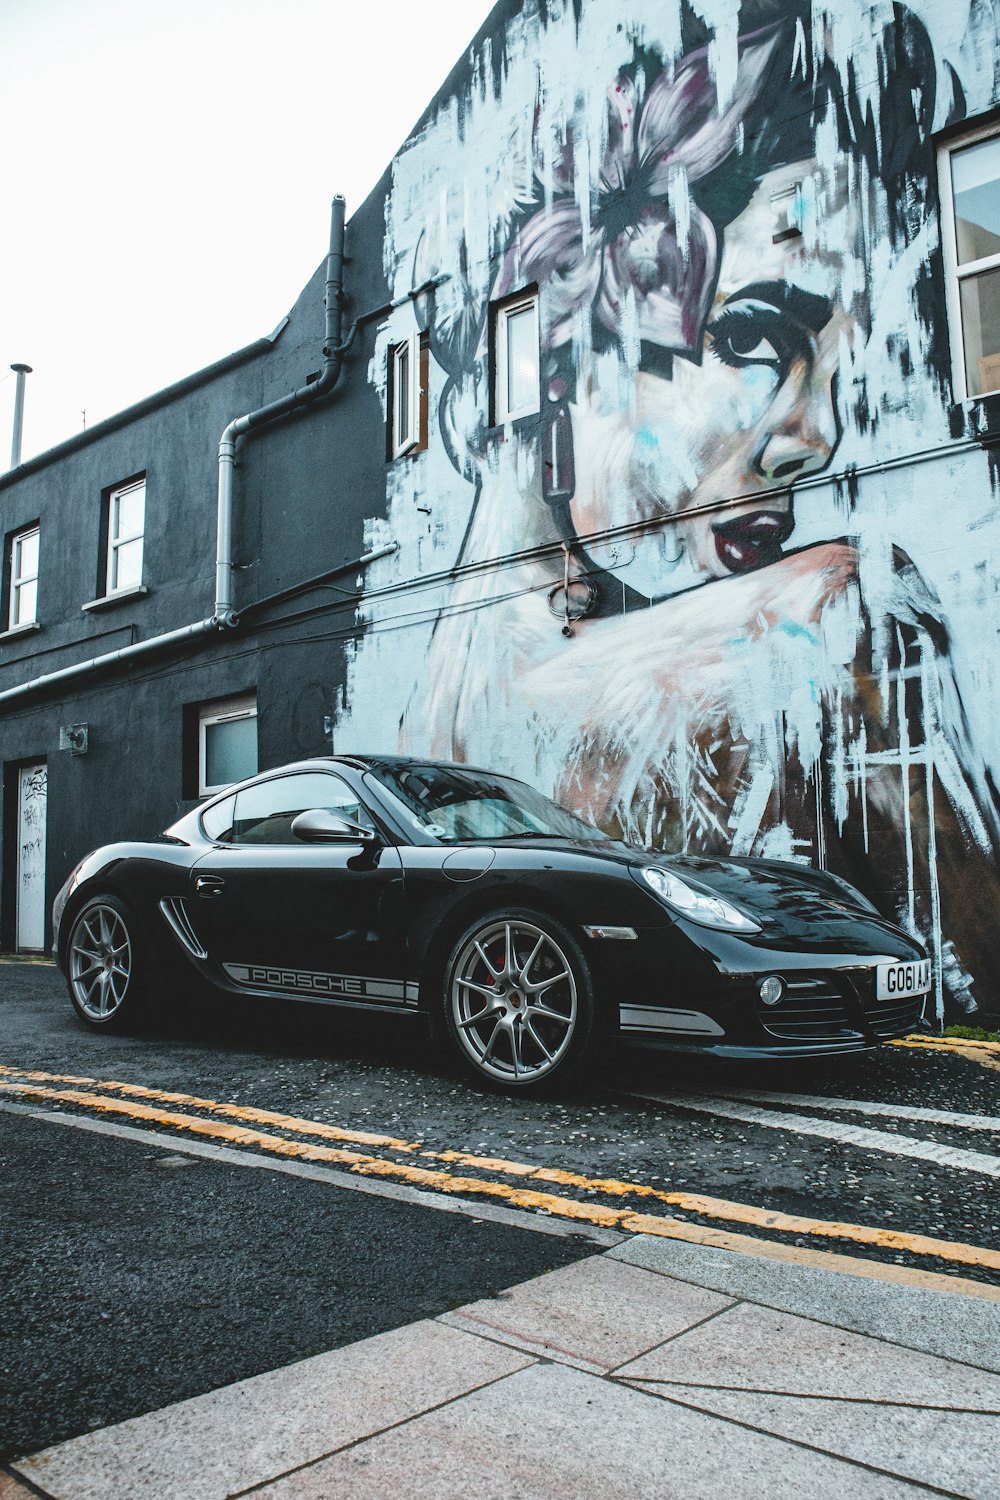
point(264, 813)
point(217, 820)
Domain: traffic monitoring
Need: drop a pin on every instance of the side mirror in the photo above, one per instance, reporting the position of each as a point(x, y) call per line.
point(319, 826)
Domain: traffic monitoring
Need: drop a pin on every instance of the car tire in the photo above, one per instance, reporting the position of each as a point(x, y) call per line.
point(519, 1007)
point(106, 965)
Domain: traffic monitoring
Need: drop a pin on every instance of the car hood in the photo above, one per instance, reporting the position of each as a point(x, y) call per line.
point(795, 904)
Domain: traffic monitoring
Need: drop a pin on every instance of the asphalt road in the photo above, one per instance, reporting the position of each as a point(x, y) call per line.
point(135, 1276)
point(138, 1275)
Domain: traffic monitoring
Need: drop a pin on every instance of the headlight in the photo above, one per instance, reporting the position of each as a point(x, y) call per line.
point(697, 906)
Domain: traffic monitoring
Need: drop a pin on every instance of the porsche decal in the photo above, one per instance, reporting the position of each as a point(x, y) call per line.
point(323, 986)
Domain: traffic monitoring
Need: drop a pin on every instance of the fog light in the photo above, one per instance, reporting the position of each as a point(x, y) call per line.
point(771, 989)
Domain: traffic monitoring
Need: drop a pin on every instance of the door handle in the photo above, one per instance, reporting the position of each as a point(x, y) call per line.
point(208, 886)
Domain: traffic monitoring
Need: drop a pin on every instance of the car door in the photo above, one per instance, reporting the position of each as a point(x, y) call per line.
point(321, 921)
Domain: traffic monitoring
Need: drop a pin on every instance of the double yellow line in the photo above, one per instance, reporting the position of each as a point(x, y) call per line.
point(236, 1126)
point(986, 1054)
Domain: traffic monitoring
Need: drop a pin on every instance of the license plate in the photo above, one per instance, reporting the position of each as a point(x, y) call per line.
point(901, 981)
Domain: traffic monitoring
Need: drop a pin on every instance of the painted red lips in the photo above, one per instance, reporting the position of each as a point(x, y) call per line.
point(753, 540)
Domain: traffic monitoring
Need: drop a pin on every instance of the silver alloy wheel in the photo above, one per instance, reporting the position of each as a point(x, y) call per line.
point(513, 1001)
point(100, 961)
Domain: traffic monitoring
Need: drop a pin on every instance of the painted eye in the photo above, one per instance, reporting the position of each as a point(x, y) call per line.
point(756, 334)
point(762, 352)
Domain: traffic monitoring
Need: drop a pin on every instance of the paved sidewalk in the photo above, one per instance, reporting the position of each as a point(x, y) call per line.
point(655, 1369)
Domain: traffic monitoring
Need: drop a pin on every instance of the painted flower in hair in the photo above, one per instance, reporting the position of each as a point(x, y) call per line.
point(647, 246)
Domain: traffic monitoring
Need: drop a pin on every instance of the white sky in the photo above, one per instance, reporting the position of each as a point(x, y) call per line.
point(168, 170)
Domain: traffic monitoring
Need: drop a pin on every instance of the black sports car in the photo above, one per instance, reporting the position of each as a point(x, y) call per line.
point(423, 888)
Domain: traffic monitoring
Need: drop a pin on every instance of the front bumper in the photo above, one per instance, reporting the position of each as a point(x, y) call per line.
point(829, 1006)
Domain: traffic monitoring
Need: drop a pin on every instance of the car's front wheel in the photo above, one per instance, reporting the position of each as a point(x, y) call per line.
point(105, 965)
point(519, 1002)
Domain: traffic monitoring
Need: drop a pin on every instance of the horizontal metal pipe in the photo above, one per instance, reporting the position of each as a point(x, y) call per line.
point(109, 659)
point(185, 634)
point(316, 582)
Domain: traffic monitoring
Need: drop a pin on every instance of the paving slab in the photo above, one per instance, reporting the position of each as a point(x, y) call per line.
point(552, 1432)
point(938, 1322)
point(595, 1314)
point(247, 1433)
point(759, 1349)
point(954, 1451)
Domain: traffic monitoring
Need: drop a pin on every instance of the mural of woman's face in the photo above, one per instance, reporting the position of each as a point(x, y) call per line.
point(754, 414)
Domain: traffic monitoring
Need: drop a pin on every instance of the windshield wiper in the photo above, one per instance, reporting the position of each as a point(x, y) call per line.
point(529, 833)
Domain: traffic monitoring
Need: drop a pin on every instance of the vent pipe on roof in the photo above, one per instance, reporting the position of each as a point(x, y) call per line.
point(15, 447)
point(333, 359)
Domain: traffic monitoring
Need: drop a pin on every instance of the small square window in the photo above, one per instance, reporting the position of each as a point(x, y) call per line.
point(516, 373)
point(126, 530)
point(969, 174)
point(23, 578)
point(408, 373)
point(787, 212)
point(227, 742)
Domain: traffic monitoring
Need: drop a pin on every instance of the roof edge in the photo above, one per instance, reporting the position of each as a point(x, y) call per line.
point(141, 408)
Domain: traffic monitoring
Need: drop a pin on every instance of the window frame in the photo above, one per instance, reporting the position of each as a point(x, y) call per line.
point(416, 348)
point(954, 273)
point(221, 711)
point(501, 315)
point(404, 396)
point(17, 580)
point(115, 541)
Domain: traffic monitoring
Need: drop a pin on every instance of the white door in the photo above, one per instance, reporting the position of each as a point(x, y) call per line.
point(31, 791)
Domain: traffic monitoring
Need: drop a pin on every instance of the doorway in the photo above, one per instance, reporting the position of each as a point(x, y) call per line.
point(29, 876)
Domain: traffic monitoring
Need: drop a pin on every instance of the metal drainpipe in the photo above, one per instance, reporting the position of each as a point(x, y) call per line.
point(126, 654)
point(333, 360)
point(224, 616)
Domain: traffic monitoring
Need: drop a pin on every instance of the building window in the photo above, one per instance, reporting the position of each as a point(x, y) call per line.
point(126, 528)
point(23, 609)
point(408, 372)
point(515, 358)
point(227, 742)
point(970, 201)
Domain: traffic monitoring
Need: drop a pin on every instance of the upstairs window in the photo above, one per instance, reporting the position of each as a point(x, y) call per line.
point(126, 530)
point(23, 581)
point(970, 202)
point(408, 372)
point(516, 373)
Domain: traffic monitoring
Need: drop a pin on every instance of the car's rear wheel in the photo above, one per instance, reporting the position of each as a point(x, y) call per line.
point(519, 1002)
point(105, 968)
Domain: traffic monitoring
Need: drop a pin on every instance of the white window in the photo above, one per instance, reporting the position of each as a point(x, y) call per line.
point(23, 578)
point(408, 374)
point(227, 742)
point(405, 395)
point(970, 206)
point(126, 527)
point(516, 365)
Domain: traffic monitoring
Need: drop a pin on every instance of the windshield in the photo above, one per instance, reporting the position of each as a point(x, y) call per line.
point(460, 807)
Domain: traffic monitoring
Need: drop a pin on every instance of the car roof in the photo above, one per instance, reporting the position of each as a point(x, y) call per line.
point(365, 762)
point(190, 820)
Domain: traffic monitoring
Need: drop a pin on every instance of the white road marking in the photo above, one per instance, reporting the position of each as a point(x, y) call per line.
point(832, 1130)
point(989, 1123)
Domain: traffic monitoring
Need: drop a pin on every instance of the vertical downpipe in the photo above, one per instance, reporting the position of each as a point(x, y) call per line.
point(333, 358)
